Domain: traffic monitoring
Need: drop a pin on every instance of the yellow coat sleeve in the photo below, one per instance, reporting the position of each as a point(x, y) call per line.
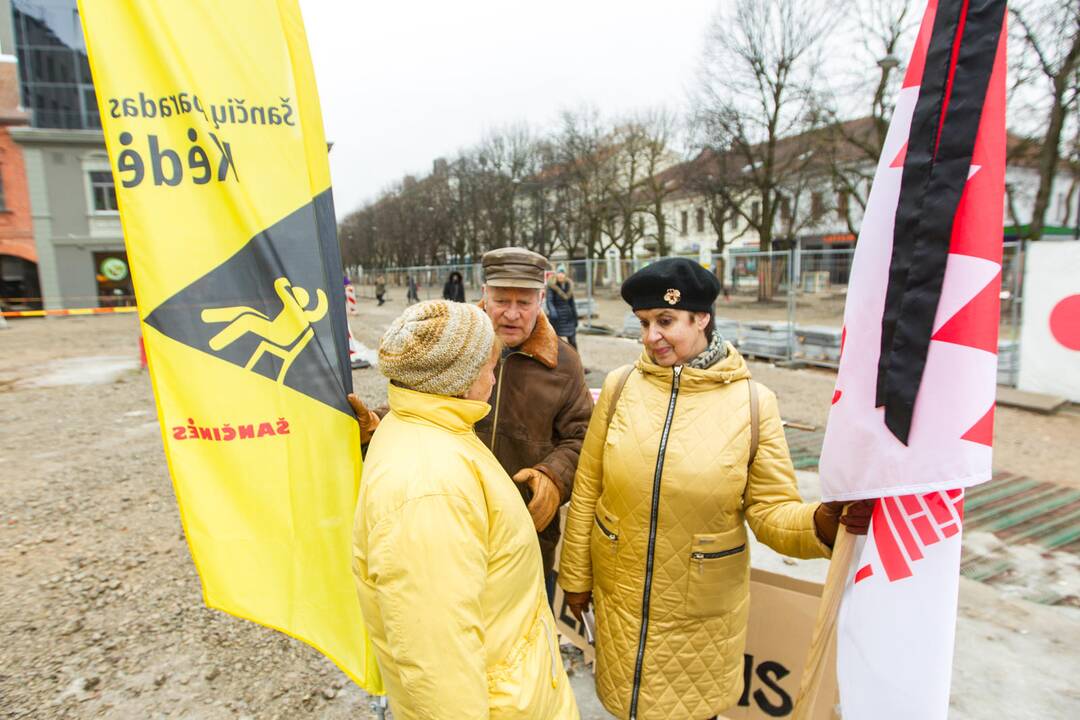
point(429, 564)
point(771, 502)
point(575, 564)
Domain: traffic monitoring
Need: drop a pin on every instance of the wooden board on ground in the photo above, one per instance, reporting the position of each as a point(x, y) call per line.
point(1036, 402)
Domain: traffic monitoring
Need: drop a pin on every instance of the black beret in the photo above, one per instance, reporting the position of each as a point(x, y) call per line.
point(676, 283)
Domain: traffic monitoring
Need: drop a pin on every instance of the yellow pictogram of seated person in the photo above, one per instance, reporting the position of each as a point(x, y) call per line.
point(285, 336)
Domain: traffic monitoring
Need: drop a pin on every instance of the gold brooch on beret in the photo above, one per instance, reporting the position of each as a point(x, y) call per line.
point(672, 296)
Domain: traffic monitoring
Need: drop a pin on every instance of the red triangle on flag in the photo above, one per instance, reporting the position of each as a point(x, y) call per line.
point(913, 76)
point(898, 161)
point(976, 323)
point(975, 233)
point(982, 432)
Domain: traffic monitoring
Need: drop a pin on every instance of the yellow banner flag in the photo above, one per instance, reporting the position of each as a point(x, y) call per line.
point(216, 141)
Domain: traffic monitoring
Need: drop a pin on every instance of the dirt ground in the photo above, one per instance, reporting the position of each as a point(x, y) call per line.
point(101, 611)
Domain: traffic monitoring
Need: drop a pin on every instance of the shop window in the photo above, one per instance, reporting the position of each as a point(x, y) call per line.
point(113, 276)
point(700, 220)
point(684, 219)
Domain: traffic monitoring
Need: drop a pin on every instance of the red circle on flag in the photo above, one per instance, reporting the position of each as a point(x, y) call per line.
point(1065, 322)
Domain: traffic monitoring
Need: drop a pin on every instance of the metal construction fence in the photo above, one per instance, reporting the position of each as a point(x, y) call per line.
point(781, 305)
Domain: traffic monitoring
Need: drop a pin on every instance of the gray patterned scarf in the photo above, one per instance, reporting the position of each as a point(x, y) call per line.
point(711, 355)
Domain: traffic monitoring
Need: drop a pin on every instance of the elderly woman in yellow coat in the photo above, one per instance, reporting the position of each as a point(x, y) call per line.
point(444, 552)
point(656, 531)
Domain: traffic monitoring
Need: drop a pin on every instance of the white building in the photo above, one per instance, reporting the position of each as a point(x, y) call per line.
point(815, 213)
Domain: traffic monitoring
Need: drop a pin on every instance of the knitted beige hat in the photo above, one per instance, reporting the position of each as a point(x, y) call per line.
point(437, 347)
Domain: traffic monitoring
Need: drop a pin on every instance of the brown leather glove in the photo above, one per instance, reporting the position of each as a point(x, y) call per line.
point(856, 518)
point(578, 602)
point(545, 496)
point(367, 419)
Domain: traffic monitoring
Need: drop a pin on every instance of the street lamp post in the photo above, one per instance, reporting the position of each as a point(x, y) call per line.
point(887, 64)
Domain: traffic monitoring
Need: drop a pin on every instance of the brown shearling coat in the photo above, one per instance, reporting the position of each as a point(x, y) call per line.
point(540, 410)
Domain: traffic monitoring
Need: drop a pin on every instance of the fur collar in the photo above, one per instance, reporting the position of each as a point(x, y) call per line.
point(543, 344)
point(553, 286)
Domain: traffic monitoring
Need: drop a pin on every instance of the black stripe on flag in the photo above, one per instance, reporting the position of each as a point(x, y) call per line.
point(935, 172)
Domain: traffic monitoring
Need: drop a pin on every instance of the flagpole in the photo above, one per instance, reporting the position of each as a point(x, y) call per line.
point(825, 626)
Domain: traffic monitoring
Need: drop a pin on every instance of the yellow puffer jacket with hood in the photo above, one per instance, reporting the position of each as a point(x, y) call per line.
point(657, 530)
point(448, 571)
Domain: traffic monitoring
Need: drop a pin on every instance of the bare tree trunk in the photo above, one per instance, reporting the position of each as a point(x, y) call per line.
point(1040, 42)
point(1050, 154)
point(661, 230)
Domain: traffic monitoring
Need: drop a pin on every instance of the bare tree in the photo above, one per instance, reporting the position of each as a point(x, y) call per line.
point(883, 27)
point(658, 128)
point(506, 157)
point(1047, 33)
point(756, 86)
point(625, 182)
point(1072, 160)
point(584, 168)
point(705, 176)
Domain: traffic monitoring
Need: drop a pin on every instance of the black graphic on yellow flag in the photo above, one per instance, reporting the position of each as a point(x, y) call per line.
point(271, 310)
point(215, 137)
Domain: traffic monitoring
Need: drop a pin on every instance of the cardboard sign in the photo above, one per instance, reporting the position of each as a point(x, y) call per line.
point(782, 615)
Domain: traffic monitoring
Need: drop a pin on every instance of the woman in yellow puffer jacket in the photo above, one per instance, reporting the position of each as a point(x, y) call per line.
point(444, 552)
point(656, 530)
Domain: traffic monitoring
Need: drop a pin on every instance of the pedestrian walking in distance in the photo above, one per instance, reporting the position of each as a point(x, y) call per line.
point(560, 306)
point(380, 289)
point(454, 289)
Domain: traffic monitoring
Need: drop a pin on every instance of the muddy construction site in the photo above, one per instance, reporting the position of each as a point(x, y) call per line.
point(101, 610)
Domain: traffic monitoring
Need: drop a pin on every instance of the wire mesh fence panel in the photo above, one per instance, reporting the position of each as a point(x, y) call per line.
point(1012, 294)
point(596, 291)
point(753, 310)
point(819, 295)
point(429, 281)
point(780, 305)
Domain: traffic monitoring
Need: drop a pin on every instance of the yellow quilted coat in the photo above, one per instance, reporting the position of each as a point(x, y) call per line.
point(657, 530)
point(449, 575)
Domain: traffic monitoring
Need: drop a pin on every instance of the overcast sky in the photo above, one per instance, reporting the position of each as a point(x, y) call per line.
point(404, 82)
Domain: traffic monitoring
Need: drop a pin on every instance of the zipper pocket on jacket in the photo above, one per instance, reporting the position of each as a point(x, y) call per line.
point(701, 557)
point(613, 537)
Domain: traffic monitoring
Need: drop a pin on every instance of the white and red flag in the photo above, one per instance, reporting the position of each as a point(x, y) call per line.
point(913, 410)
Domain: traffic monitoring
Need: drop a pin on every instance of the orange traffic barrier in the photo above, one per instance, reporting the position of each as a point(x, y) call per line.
point(69, 311)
